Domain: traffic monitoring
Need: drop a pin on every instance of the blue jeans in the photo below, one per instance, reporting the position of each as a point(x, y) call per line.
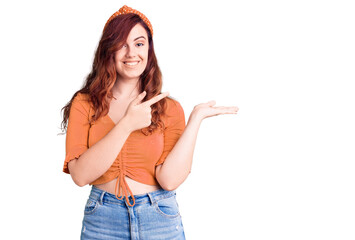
point(155, 215)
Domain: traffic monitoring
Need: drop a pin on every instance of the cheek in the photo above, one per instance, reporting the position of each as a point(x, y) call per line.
point(118, 63)
point(145, 61)
point(144, 53)
point(119, 55)
point(146, 58)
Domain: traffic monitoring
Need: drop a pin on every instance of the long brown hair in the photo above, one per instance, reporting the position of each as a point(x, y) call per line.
point(100, 80)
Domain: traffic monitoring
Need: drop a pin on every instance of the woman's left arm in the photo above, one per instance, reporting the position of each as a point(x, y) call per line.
point(177, 165)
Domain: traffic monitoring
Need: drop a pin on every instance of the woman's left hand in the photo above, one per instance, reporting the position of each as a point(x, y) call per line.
point(205, 110)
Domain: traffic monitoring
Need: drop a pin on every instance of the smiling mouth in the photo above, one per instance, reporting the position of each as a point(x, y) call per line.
point(131, 63)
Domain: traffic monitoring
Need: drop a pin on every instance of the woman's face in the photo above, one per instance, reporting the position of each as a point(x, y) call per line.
point(131, 59)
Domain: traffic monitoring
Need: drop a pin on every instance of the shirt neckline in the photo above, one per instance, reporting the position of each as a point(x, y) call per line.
point(109, 118)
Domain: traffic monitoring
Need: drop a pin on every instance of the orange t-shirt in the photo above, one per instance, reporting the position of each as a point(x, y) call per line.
point(139, 155)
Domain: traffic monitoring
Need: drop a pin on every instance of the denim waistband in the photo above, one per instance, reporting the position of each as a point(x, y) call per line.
point(103, 196)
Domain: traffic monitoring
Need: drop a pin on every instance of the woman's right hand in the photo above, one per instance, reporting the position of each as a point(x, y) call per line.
point(139, 114)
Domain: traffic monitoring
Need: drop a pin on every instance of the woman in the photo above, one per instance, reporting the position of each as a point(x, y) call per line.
point(128, 140)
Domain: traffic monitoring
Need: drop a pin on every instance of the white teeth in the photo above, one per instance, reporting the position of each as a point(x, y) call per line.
point(131, 63)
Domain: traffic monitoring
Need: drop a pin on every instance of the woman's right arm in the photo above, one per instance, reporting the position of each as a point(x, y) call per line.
point(97, 159)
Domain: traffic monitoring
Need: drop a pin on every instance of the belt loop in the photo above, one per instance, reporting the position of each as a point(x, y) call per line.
point(102, 197)
point(152, 201)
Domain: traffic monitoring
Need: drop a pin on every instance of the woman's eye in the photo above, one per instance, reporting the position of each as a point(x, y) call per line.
point(141, 44)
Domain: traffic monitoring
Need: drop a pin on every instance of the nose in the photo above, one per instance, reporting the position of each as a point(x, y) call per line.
point(130, 52)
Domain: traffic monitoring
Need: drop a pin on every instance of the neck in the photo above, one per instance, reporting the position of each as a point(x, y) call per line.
point(125, 88)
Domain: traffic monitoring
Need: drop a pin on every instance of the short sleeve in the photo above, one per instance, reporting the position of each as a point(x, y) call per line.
point(77, 130)
point(175, 126)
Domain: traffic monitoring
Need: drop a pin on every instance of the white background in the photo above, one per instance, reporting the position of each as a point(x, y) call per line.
point(282, 168)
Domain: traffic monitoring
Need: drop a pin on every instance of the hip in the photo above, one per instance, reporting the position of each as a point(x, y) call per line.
point(155, 215)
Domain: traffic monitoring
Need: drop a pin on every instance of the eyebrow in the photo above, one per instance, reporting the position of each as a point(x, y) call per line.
point(139, 38)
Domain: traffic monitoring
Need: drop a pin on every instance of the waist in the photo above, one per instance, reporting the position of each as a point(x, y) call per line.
point(106, 197)
point(135, 186)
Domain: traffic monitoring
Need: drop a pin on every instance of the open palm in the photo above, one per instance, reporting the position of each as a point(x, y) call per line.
point(205, 110)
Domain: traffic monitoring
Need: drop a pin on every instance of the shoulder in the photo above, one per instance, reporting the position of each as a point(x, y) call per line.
point(82, 101)
point(173, 106)
point(174, 113)
point(82, 97)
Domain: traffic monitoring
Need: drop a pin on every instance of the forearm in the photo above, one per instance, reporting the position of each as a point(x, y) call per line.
point(178, 163)
point(97, 159)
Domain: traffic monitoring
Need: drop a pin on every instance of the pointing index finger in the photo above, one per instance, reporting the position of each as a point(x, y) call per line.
point(156, 98)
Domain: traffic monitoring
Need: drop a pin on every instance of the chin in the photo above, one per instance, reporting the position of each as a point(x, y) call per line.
point(132, 76)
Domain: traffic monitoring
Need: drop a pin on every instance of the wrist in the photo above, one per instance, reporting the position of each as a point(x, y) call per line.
point(195, 117)
point(125, 126)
